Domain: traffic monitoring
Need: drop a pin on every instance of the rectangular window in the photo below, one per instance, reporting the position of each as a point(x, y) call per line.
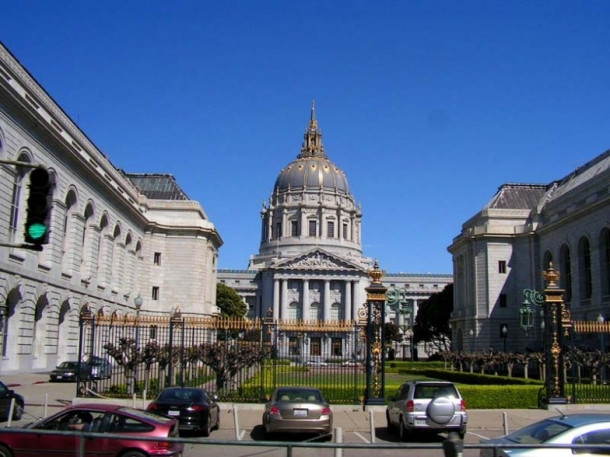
point(337, 347)
point(294, 228)
point(315, 346)
point(152, 332)
point(313, 228)
point(155, 293)
point(345, 231)
point(502, 266)
point(157, 258)
point(330, 229)
point(293, 348)
point(503, 301)
point(278, 230)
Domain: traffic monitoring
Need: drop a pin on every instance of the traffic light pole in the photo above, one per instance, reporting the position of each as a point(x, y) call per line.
point(31, 247)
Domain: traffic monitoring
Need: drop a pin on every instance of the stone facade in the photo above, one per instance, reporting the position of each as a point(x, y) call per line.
point(504, 248)
point(110, 240)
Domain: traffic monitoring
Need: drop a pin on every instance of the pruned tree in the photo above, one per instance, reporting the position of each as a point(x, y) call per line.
point(127, 355)
point(226, 360)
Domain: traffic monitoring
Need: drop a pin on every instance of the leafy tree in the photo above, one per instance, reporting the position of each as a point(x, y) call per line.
point(229, 301)
point(432, 320)
point(392, 333)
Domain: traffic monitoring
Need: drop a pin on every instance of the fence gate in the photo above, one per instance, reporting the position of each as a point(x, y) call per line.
point(240, 360)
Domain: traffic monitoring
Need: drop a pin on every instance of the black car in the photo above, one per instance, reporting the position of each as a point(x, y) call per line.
point(69, 371)
point(194, 408)
point(100, 368)
point(6, 396)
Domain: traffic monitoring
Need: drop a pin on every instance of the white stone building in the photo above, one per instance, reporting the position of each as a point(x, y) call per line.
point(504, 248)
point(113, 236)
point(310, 265)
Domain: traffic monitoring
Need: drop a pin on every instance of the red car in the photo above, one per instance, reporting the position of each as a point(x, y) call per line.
point(101, 419)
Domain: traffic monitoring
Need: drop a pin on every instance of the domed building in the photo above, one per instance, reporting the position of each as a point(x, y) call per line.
point(310, 267)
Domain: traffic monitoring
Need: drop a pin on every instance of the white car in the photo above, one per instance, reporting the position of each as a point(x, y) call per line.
point(571, 429)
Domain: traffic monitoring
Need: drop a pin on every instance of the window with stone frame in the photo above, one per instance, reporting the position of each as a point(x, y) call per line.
point(337, 347)
point(294, 228)
point(315, 345)
point(313, 227)
point(330, 229)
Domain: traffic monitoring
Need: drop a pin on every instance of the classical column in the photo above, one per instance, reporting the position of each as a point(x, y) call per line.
point(305, 299)
point(326, 300)
point(284, 299)
point(276, 298)
point(348, 301)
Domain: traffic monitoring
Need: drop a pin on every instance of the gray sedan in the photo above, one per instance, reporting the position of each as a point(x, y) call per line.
point(297, 410)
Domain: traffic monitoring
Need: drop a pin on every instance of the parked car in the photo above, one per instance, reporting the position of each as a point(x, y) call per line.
point(101, 419)
point(578, 429)
point(6, 397)
point(195, 409)
point(100, 368)
point(316, 363)
point(426, 406)
point(68, 371)
point(297, 410)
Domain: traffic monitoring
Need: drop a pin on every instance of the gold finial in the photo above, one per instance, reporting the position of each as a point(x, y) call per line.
point(551, 276)
point(376, 273)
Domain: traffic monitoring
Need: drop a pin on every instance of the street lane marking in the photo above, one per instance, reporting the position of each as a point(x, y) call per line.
point(241, 435)
point(362, 437)
point(479, 436)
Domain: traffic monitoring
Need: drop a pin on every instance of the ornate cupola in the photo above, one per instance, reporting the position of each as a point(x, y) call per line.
point(310, 206)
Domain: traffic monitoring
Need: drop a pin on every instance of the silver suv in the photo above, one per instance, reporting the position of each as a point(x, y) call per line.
point(427, 406)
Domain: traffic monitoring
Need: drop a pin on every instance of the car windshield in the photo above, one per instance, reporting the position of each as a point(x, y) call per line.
point(539, 432)
point(182, 395)
point(68, 365)
point(298, 395)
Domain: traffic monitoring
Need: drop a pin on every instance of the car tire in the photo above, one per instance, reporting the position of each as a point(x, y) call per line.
point(462, 433)
point(5, 451)
point(403, 433)
point(133, 454)
point(217, 426)
point(441, 410)
point(17, 411)
point(208, 427)
point(391, 426)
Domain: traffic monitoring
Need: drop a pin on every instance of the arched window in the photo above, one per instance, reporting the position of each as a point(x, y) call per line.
point(565, 268)
point(548, 258)
point(66, 239)
point(17, 198)
point(335, 312)
point(604, 251)
point(293, 311)
point(315, 312)
point(584, 269)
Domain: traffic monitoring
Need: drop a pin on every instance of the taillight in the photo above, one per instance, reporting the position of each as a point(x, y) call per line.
point(198, 408)
point(164, 445)
point(152, 407)
point(410, 406)
point(274, 410)
point(463, 405)
point(326, 410)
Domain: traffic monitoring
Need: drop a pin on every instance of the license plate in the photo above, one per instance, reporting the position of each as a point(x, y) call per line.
point(173, 413)
point(299, 412)
point(420, 422)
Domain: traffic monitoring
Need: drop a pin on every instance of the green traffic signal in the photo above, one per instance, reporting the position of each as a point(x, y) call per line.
point(37, 231)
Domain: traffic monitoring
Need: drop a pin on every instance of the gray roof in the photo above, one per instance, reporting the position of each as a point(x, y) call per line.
point(583, 174)
point(157, 186)
point(517, 196)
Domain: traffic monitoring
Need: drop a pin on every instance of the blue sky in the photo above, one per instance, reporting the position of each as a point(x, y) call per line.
point(428, 106)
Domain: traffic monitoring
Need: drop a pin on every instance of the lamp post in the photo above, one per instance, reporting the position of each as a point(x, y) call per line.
point(471, 333)
point(375, 355)
point(397, 300)
point(504, 334)
point(601, 320)
point(138, 301)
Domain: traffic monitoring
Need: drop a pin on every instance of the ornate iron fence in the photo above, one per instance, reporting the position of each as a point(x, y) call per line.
point(240, 360)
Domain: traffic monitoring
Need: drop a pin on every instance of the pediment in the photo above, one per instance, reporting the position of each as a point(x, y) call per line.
point(317, 259)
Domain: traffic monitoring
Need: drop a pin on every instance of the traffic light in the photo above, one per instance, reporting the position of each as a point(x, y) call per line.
point(38, 208)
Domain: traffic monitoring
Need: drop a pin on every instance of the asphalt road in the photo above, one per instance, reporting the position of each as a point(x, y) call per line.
point(241, 434)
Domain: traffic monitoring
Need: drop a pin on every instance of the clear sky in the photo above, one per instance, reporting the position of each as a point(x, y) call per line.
point(428, 106)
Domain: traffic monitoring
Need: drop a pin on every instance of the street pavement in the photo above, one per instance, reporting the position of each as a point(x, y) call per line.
point(242, 421)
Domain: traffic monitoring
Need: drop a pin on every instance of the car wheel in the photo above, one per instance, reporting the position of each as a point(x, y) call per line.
point(17, 411)
point(208, 427)
point(403, 433)
point(133, 454)
point(391, 427)
point(462, 433)
point(5, 451)
point(217, 426)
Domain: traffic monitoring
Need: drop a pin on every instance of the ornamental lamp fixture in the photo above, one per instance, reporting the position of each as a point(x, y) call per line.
point(526, 316)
